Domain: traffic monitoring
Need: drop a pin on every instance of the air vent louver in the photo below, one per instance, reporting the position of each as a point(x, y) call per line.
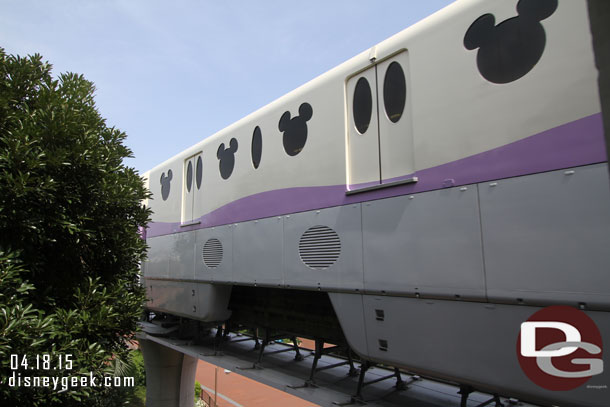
point(319, 247)
point(212, 253)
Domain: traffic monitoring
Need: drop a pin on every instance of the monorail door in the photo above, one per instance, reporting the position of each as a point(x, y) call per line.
point(191, 187)
point(380, 136)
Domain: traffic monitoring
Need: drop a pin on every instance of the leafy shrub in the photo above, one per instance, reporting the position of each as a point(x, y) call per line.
point(70, 211)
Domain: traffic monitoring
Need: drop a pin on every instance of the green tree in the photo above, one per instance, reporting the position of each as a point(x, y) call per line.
point(70, 212)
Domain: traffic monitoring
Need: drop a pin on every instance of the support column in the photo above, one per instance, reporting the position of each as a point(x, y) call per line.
point(170, 376)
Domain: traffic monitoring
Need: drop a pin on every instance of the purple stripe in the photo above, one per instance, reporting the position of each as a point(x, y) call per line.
point(573, 144)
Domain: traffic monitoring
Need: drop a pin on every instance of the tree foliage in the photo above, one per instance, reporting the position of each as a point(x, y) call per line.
point(70, 211)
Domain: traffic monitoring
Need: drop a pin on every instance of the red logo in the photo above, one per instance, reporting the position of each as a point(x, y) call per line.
point(560, 348)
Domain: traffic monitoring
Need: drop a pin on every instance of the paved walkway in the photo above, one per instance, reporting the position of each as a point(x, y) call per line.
point(235, 390)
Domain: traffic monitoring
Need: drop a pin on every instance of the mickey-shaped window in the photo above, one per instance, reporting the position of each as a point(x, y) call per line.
point(165, 184)
point(295, 129)
point(227, 158)
point(511, 49)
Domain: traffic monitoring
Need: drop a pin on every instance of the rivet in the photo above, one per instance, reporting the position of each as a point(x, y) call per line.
point(493, 184)
point(317, 211)
point(463, 189)
point(411, 196)
point(569, 172)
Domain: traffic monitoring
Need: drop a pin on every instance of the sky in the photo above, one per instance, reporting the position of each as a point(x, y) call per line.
point(171, 73)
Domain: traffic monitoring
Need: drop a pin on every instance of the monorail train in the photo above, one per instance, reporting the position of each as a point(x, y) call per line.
point(420, 201)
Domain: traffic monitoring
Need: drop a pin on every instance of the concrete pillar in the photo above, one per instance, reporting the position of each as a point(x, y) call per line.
point(170, 376)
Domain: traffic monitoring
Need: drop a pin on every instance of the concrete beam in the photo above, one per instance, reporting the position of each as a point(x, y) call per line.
point(170, 376)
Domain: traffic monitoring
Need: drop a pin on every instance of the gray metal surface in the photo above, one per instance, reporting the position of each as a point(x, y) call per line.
point(202, 301)
point(159, 251)
point(178, 298)
point(542, 233)
point(427, 244)
point(212, 302)
point(224, 271)
point(181, 256)
point(346, 272)
point(258, 252)
point(538, 235)
point(467, 342)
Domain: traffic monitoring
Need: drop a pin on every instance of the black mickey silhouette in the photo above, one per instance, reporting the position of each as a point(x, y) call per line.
point(227, 158)
point(295, 129)
point(165, 184)
point(511, 49)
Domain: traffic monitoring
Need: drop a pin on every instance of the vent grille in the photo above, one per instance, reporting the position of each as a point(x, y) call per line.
point(212, 253)
point(319, 247)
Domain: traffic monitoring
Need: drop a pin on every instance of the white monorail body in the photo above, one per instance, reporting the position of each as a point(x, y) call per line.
point(454, 177)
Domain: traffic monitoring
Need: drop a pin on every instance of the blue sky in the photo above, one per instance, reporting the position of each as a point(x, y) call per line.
point(171, 73)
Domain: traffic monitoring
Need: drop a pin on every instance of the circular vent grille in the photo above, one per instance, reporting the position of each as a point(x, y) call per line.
point(212, 253)
point(319, 247)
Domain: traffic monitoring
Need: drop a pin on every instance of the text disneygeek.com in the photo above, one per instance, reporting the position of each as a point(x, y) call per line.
point(57, 362)
point(61, 384)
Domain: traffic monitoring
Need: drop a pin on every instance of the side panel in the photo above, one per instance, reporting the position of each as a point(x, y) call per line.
point(181, 251)
point(174, 297)
point(213, 302)
point(427, 244)
point(457, 112)
point(258, 252)
point(350, 311)
point(547, 237)
point(157, 262)
point(205, 302)
point(218, 245)
point(346, 272)
point(467, 342)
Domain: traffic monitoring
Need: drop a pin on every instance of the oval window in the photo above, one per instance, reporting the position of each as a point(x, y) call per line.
point(363, 105)
point(394, 92)
point(189, 176)
point(199, 172)
point(257, 147)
